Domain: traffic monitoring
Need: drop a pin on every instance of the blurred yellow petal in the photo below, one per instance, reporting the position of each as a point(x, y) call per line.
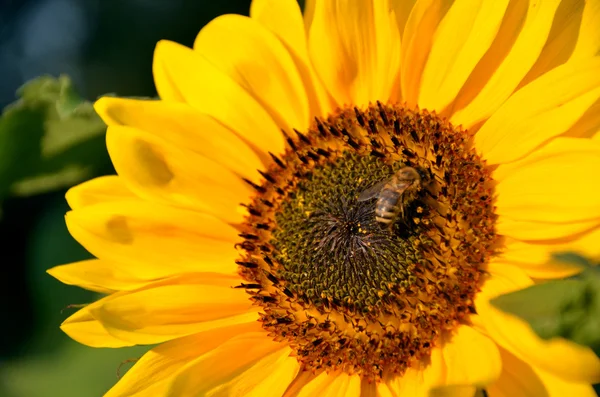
point(468, 357)
point(514, 66)
point(181, 70)
point(371, 389)
point(535, 258)
point(355, 48)
point(556, 386)
point(555, 184)
point(270, 376)
point(242, 48)
point(163, 362)
point(284, 18)
point(419, 381)
point(539, 111)
point(536, 231)
point(309, 12)
point(96, 275)
point(402, 10)
point(151, 241)
point(520, 379)
point(461, 39)
point(417, 41)
point(517, 379)
point(383, 390)
point(454, 391)
point(176, 307)
point(185, 127)
point(164, 173)
point(471, 358)
point(102, 189)
point(332, 385)
point(227, 361)
point(84, 328)
point(558, 356)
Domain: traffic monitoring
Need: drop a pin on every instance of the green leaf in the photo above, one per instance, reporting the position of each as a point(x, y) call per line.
point(49, 139)
point(73, 371)
point(572, 258)
point(21, 132)
point(567, 308)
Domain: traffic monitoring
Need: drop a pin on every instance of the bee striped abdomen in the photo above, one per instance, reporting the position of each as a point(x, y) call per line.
point(387, 208)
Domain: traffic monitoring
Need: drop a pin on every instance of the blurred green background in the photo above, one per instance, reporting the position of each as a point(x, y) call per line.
point(105, 46)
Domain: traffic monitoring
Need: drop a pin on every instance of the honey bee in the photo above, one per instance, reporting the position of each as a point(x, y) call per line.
point(392, 195)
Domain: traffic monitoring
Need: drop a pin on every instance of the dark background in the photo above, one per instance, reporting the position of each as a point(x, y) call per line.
point(105, 46)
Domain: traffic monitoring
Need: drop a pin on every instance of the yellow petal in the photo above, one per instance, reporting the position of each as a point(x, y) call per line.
point(517, 379)
point(183, 71)
point(561, 42)
point(309, 12)
point(588, 45)
point(535, 231)
point(588, 42)
point(372, 389)
point(558, 387)
point(513, 67)
point(270, 376)
point(95, 275)
point(304, 377)
point(383, 390)
point(471, 359)
point(557, 356)
point(454, 391)
point(151, 374)
point(176, 307)
point(418, 381)
point(284, 19)
point(417, 41)
point(332, 385)
point(555, 184)
point(536, 258)
point(402, 10)
point(255, 59)
point(588, 124)
point(142, 242)
point(543, 109)
point(461, 39)
point(520, 379)
point(164, 173)
point(226, 362)
point(84, 328)
point(185, 127)
point(98, 190)
point(355, 48)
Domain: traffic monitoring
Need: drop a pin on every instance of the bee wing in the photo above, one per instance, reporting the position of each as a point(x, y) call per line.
point(371, 192)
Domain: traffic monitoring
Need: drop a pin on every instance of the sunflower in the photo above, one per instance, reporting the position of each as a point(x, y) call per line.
point(324, 204)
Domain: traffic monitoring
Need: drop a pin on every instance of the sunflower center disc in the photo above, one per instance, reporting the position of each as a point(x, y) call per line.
point(346, 284)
